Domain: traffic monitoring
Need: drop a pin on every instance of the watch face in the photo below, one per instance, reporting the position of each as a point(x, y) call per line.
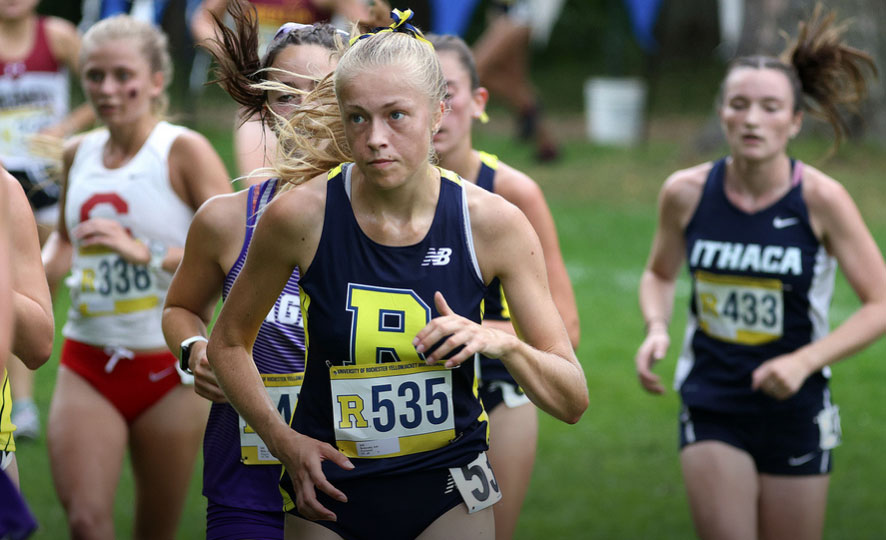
point(185, 357)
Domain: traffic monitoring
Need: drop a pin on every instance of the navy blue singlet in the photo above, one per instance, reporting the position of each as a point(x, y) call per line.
point(761, 287)
point(495, 307)
point(366, 390)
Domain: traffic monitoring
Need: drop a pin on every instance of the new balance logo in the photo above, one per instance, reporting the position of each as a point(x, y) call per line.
point(450, 484)
point(437, 257)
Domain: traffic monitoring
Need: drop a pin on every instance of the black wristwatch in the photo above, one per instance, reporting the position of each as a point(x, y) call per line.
point(185, 355)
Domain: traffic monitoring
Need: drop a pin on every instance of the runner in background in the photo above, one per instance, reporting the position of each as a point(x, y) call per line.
point(37, 56)
point(513, 419)
point(130, 192)
point(763, 234)
point(240, 478)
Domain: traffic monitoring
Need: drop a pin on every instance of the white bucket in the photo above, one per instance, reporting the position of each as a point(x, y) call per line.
point(614, 109)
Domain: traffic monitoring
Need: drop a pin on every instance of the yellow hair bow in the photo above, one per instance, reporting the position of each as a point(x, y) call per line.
point(400, 24)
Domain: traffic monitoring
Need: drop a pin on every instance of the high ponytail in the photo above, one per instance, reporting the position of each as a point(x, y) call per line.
point(237, 64)
point(830, 72)
point(823, 70)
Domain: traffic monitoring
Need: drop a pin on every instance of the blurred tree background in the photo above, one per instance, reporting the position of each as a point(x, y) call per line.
point(594, 38)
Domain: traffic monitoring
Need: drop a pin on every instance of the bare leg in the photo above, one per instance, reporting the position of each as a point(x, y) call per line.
point(792, 506)
point(11, 471)
point(458, 523)
point(722, 485)
point(165, 440)
point(512, 442)
point(21, 379)
point(296, 528)
point(87, 440)
point(501, 54)
point(24, 414)
point(502, 57)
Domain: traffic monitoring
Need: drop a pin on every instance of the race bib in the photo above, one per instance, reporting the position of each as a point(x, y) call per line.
point(391, 409)
point(283, 389)
point(747, 311)
point(16, 123)
point(106, 284)
point(476, 483)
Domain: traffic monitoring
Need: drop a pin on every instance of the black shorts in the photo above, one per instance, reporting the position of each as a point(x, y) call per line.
point(396, 506)
point(499, 392)
point(230, 523)
point(795, 444)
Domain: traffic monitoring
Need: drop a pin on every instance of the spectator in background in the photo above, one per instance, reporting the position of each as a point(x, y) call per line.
point(502, 55)
point(254, 141)
point(130, 193)
point(274, 13)
point(151, 11)
point(36, 55)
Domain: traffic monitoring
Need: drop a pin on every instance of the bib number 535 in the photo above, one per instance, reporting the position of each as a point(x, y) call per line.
point(476, 483)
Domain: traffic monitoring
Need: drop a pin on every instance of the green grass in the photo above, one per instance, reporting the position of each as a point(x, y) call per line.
point(615, 475)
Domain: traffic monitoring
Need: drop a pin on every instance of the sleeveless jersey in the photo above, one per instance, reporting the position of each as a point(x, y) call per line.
point(366, 390)
point(279, 354)
point(495, 307)
point(114, 302)
point(34, 94)
point(7, 443)
point(761, 287)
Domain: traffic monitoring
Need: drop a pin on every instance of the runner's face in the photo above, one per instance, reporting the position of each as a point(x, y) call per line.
point(118, 81)
point(464, 104)
point(388, 124)
point(315, 61)
point(757, 113)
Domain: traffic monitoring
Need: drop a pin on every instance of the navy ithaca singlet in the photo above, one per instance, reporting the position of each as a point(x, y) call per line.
point(761, 287)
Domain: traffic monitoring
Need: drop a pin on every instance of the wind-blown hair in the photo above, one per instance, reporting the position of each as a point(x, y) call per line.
point(824, 72)
point(313, 140)
point(238, 68)
point(152, 44)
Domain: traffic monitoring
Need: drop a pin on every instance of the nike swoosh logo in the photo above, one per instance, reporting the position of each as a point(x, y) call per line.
point(797, 461)
point(781, 223)
point(154, 377)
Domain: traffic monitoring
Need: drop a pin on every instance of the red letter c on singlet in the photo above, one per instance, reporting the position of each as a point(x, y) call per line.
point(110, 198)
